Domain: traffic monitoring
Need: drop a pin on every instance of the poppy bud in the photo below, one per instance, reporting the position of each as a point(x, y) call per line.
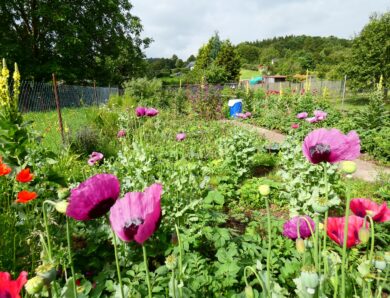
point(348, 167)
point(34, 285)
point(47, 272)
point(249, 292)
point(61, 206)
point(63, 193)
point(171, 262)
point(300, 245)
point(364, 235)
point(264, 189)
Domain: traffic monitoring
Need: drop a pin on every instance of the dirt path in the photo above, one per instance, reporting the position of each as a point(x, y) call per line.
point(366, 170)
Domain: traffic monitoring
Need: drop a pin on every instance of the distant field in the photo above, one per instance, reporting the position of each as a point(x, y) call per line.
point(246, 74)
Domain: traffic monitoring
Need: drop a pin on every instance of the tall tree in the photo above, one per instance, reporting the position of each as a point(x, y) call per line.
point(370, 54)
point(78, 40)
point(228, 59)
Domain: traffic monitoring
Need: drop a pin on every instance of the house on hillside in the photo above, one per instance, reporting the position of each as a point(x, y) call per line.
point(274, 79)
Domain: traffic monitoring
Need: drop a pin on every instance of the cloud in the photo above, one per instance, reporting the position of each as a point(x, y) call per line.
point(181, 26)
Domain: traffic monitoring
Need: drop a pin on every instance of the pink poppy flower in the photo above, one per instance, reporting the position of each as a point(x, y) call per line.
point(363, 207)
point(151, 112)
point(11, 288)
point(290, 227)
point(137, 216)
point(323, 145)
point(302, 115)
point(320, 115)
point(294, 125)
point(241, 115)
point(180, 136)
point(312, 120)
point(121, 133)
point(248, 114)
point(335, 229)
point(95, 157)
point(94, 197)
point(140, 111)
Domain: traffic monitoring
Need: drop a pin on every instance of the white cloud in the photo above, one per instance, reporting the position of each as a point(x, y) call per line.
point(181, 26)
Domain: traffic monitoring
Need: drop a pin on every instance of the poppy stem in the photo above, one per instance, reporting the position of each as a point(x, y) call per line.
point(70, 257)
point(372, 240)
point(180, 258)
point(269, 247)
point(147, 272)
point(326, 212)
point(118, 270)
point(344, 253)
point(44, 211)
point(257, 277)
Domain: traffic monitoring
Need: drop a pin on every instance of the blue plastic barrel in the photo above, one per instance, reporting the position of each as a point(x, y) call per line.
point(235, 106)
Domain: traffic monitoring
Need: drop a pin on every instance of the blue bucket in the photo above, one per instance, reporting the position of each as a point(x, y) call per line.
point(235, 107)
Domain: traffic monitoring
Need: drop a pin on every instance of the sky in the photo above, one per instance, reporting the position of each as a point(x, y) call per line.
point(181, 27)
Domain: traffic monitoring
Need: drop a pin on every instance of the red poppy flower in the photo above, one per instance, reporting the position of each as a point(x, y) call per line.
point(363, 207)
point(4, 169)
point(11, 288)
point(25, 196)
point(335, 229)
point(24, 176)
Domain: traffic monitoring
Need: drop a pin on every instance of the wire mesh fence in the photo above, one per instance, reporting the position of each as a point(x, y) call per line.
point(39, 97)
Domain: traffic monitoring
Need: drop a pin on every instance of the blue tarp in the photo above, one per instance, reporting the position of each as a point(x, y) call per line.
point(255, 80)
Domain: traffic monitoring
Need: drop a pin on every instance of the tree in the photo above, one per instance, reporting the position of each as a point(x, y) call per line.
point(78, 40)
point(203, 60)
point(248, 53)
point(228, 59)
point(370, 54)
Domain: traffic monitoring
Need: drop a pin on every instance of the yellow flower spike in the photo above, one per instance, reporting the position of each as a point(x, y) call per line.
point(16, 77)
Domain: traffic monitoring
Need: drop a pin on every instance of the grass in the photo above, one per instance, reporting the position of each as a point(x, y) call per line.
point(46, 123)
point(246, 74)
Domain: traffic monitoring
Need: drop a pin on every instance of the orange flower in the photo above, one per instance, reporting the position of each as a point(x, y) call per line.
point(25, 196)
point(24, 176)
point(4, 169)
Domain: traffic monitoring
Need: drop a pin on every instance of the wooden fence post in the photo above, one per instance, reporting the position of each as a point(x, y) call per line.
point(94, 92)
point(55, 89)
point(344, 85)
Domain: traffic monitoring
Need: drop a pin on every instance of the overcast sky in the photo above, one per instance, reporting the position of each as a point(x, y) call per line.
point(181, 26)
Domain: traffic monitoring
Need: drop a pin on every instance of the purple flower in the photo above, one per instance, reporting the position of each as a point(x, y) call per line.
point(312, 120)
point(320, 115)
point(140, 111)
point(94, 197)
point(121, 133)
point(95, 157)
point(180, 136)
point(290, 227)
point(241, 115)
point(137, 216)
point(302, 115)
point(323, 145)
point(151, 112)
point(248, 114)
point(294, 125)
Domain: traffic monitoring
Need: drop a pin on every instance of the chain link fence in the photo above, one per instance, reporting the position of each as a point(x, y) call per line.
point(39, 97)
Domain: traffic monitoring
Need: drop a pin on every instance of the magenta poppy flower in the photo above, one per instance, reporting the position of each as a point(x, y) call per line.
point(151, 112)
point(180, 136)
point(241, 115)
point(94, 197)
point(302, 115)
point(121, 133)
point(320, 115)
point(137, 216)
point(290, 227)
point(323, 145)
point(140, 111)
point(248, 114)
point(11, 288)
point(335, 229)
point(363, 207)
point(95, 157)
point(311, 119)
point(294, 125)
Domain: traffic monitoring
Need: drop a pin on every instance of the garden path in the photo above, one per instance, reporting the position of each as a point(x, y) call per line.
point(366, 170)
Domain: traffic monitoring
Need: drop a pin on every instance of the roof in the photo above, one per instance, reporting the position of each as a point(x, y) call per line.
point(276, 77)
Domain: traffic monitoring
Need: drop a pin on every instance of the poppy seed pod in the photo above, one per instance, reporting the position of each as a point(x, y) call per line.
point(309, 277)
point(171, 262)
point(47, 272)
point(379, 263)
point(61, 206)
point(249, 292)
point(264, 189)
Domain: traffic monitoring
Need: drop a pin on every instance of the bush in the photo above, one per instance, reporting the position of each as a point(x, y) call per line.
point(125, 100)
point(144, 90)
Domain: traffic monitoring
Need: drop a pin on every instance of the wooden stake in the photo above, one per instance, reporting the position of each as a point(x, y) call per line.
point(55, 89)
